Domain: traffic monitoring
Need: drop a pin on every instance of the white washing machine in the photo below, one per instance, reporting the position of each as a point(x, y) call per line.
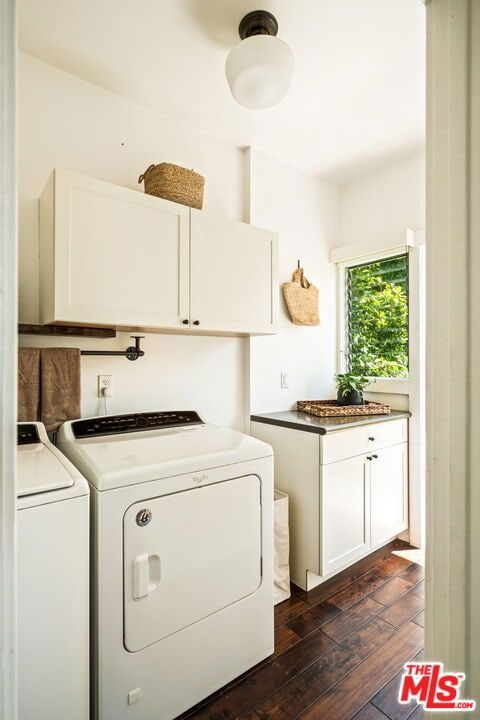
point(183, 558)
point(53, 581)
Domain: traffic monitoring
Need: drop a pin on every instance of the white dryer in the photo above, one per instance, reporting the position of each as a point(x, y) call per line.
point(183, 558)
point(53, 581)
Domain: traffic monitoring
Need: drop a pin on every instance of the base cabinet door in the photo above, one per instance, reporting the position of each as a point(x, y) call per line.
point(345, 513)
point(233, 282)
point(388, 488)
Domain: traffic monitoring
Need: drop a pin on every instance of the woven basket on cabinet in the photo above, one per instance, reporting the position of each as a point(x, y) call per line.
point(175, 183)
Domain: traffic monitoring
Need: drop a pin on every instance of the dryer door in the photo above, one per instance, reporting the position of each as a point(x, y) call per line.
point(188, 555)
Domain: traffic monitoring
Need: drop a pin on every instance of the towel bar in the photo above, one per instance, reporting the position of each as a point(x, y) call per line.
point(131, 353)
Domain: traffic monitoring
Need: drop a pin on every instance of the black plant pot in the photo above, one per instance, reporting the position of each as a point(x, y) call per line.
point(354, 397)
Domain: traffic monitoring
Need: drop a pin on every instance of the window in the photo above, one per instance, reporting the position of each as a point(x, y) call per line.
point(376, 318)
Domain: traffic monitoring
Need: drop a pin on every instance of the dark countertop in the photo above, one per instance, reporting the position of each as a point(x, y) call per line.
point(323, 425)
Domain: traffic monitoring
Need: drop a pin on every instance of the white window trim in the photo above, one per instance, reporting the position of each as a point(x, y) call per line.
point(361, 252)
point(347, 256)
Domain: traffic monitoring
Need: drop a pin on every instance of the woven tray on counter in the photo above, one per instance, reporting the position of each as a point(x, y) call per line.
point(329, 408)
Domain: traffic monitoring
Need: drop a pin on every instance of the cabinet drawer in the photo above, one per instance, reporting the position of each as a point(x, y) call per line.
point(356, 441)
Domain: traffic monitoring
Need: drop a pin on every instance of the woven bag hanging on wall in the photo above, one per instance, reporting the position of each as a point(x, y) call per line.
point(301, 298)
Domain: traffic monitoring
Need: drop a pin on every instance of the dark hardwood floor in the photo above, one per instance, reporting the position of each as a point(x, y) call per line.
point(339, 649)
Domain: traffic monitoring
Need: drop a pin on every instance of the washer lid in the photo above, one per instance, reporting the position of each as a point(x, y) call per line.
point(127, 459)
point(39, 470)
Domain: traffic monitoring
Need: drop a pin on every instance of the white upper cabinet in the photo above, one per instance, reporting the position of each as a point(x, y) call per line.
point(111, 256)
point(234, 283)
point(114, 256)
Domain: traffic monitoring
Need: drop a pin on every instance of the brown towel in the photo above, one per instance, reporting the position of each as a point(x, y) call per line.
point(60, 380)
point(28, 384)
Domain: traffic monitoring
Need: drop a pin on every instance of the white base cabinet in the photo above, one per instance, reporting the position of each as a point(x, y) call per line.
point(118, 257)
point(348, 492)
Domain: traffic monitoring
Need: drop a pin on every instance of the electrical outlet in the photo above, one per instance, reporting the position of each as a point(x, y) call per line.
point(283, 379)
point(105, 386)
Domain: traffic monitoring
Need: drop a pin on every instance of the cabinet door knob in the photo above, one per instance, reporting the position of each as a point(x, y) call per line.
point(372, 439)
point(369, 457)
point(185, 322)
point(375, 456)
point(196, 322)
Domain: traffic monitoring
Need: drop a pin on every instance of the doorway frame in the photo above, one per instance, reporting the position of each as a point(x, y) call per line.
point(8, 355)
point(453, 333)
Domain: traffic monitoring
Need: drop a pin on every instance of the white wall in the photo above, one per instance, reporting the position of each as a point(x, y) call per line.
point(69, 123)
point(304, 209)
point(385, 203)
point(66, 122)
point(177, 373)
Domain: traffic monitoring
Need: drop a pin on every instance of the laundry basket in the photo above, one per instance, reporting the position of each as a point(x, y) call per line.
point(282, 547)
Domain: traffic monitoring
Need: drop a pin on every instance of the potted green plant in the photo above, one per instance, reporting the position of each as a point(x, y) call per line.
point(350, 388)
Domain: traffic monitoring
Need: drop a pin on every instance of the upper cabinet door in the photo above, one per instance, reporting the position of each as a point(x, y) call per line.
point(112, 256)
point(234, 276)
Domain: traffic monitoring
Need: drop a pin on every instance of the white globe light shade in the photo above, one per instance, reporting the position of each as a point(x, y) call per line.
point(259, 71)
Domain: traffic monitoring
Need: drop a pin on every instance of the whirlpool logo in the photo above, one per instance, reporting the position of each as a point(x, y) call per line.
point(200, 478)
point(143, 517)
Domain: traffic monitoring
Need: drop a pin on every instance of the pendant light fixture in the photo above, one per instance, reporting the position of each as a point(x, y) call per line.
point(259, 69)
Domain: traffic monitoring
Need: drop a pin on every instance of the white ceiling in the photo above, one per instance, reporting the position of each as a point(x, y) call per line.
point(357, 99)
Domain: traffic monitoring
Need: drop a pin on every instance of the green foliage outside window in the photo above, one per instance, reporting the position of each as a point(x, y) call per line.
point(377, 318)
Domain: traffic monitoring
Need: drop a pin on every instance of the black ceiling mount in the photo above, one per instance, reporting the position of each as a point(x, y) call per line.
point(258, 22)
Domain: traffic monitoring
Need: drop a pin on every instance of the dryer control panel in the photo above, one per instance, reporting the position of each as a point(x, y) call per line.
point(27, 434)
point(134, 422)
